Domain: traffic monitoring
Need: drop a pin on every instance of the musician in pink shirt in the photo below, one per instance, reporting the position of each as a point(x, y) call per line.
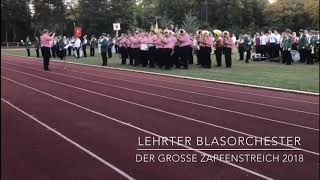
point(135, 47)
point(207, 43)
point(152, 49)
point(160, 50)
point(129, 49)
point(46, 44)
point(123, 48)
point(218, 44)
point(200, 40)
point(144, 49)
point(184, 47)
point(228, 45)
point(168, 46)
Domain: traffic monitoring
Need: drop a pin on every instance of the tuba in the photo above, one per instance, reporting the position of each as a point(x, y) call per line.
point(217, 36)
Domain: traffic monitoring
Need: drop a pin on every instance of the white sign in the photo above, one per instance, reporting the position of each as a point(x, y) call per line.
point(116, 26)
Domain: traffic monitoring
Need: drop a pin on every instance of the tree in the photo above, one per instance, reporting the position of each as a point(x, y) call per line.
point(50, 14)
point(15, 27)
point(190, 23)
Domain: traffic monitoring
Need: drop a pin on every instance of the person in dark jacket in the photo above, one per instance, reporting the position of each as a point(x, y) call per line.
point(28, 44)
point(37, 46)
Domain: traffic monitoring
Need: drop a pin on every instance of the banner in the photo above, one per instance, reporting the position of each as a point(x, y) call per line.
point(77, 31)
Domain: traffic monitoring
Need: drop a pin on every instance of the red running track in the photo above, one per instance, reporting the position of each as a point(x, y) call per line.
point(104, 111)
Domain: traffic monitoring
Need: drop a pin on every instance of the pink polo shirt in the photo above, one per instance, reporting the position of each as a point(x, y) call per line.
point(220, 44)
point(208, 41)
point(135, 42)
point(158, 43)
point(201, 41)
point(128, 42)
point(46, 40)
point(123, 42)
point(169, 42)
point(185, 40)
point(229, 42)
point(144, 40)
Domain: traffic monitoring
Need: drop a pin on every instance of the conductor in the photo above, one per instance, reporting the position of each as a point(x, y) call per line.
point(46, 43)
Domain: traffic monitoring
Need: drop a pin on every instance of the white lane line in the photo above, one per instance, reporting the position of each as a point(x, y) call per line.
point(70, 141)
point(137, 128)
point(199, 79)
point(207, 87)
point(181, 116)
point(186, 91)
point(203, 94)
point(179, 100)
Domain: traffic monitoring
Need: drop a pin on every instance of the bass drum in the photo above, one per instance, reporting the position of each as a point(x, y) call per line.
point(295, 56)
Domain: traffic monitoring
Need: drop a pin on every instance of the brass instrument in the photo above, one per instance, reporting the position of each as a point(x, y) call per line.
point(217, 36)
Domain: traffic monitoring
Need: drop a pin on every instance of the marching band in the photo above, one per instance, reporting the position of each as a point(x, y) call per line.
point(168, 49)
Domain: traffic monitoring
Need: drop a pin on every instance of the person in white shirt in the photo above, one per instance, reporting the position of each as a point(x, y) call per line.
point(278, 37)
point(272, 44)
point(263, 44)
point(77, 46)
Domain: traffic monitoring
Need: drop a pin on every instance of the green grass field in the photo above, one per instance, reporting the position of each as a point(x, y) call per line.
point(297, 76)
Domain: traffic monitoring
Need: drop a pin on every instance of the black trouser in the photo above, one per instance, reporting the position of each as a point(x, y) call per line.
point(219, 52)
point(198, 56)
point(143, 58)
point(277, 49)
point(54, 49)
point(160, 59)
point(60, 53)
point(37, 51)
point(303, 55)
point(130, 53)
point(109, 53)
point(69, 50)
point(84, 49)
point(78, 52)
point(309, 57)
point(190, 55)
point(272, 50)
point(268, 50)
point(167, 57)
point(177, 56)
point(46, 57)
point(241, 52)
point(124, 54)
point(157, 57)
point(152, 56)
point(184, 54)
point(202, 53)
point(248, 55)
point(227, 56)
point(28, 52)
point(117, 48)
point(263, 51)
point(136, 56)
point(92, 51)
point(104, 58)
point(206, 61)
point(287, 57)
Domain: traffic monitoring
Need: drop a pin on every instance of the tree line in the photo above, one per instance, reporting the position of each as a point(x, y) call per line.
point(21, 18)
